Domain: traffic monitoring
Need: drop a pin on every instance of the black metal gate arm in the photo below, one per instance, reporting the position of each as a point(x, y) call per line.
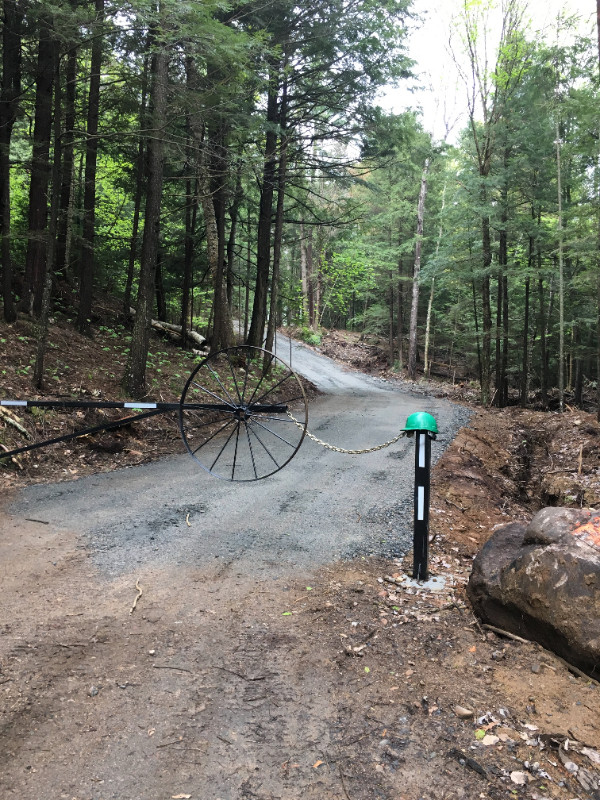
point(152, 410)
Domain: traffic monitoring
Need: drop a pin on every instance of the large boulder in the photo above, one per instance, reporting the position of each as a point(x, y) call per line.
point(542, 581)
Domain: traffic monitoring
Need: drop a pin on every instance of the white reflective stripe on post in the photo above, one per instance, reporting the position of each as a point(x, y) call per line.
point(13, 402)
point(421, 449)
point(420, 502)
point(139, 405)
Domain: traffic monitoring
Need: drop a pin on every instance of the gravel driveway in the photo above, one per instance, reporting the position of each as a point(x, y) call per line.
point(322, 507)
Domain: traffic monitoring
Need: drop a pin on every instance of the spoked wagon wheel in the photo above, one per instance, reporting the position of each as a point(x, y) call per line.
point(233, 414)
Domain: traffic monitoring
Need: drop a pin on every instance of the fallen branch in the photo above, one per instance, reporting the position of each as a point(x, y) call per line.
point(12, 420)
point(140, 593)
point(12, 458)
point(168, 666)
point(507, 634)
point(169, 329)
point(575, 670)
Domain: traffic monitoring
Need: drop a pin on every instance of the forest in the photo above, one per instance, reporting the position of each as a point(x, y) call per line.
point(224, 167)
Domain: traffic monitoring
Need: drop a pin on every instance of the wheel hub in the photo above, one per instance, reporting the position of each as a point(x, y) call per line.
point(241, 413)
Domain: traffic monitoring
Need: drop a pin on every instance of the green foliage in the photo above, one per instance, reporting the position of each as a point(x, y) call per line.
point(343, 275)
point(311, 337)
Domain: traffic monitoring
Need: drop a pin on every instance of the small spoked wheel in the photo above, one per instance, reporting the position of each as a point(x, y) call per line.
point(233, 414)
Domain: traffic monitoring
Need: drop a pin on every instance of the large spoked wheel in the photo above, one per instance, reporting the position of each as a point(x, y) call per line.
point(233, 414)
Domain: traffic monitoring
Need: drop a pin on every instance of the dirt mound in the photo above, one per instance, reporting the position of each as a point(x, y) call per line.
point(509, 463)
point(364, 353)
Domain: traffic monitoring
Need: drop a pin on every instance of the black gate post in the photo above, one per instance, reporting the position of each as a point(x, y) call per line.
point(424, 427)
point(421, 504)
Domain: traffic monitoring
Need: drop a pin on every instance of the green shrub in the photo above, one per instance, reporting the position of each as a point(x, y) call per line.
point(311, 337)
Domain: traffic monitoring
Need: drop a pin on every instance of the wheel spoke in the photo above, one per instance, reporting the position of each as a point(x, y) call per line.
point(256, 388)
point(237, 439)
point(272, 389)
point(265, 448)
point(251, 452)
point(216, 433)
point(246, 376)
point(237, 388)
point(216, 396)
point(198, 426)
point(223, 448)
point(264, 427)
point(218, 380)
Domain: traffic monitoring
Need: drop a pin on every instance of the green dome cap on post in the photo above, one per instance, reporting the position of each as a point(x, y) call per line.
point(421, 421)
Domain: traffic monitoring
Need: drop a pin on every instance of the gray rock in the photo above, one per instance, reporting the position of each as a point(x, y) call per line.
point(542, 582)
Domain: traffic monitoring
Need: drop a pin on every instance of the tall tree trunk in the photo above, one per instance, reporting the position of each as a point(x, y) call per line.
point(42, 333)
point(210, 183)
point(561, 291)
point(37, 240)
point(65, 213)
point(486, 338)
point(543, 344)
point(414, 309)
point(498, 343)
point(306, 270)
point(426, 364)
point(278, 233)
point(234, 213)
point(248, 272)
point(221, 323)
point(476, 321)
point(159, 288)
point(10, 91)
point(265, 212)
point(578, 367)
point(391, 348)
point(222, 336)
point(502, 306)
point(87, 257)
point(525, 360)
point(400, 312)
point(139, 191)
point(135, 374)
point(191, 214)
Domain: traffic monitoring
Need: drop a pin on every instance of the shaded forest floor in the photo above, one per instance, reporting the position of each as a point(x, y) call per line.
point(395, 692)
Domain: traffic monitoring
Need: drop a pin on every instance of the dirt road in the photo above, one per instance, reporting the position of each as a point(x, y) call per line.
point(223, 681)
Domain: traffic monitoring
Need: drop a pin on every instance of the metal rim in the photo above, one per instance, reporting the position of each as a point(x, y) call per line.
point(245, 435)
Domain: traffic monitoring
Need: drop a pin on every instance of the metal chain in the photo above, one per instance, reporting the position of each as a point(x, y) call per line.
point(342, 449)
